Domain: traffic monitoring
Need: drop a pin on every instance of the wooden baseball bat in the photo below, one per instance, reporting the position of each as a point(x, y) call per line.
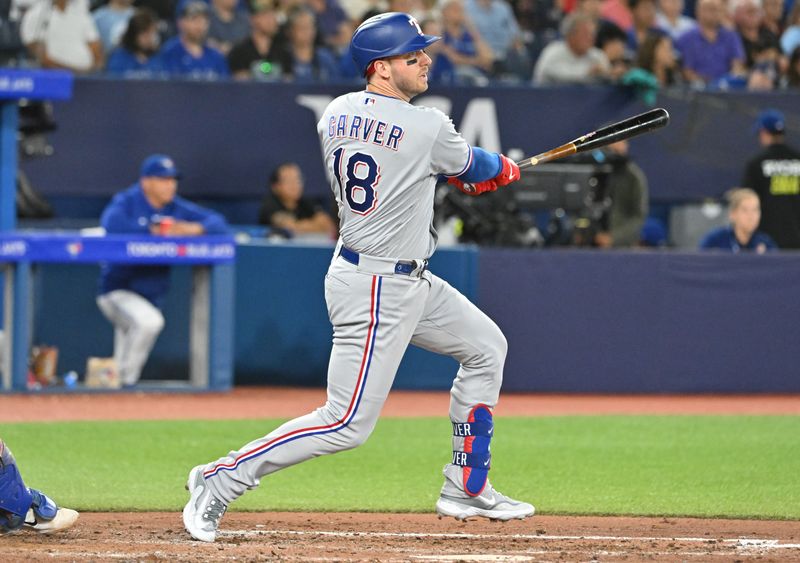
point(625, 129)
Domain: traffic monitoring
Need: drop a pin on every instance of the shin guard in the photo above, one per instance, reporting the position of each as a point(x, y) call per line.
point(475, 459)
point(15, 498)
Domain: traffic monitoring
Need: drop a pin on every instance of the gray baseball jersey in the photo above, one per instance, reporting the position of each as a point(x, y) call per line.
point(382, 156)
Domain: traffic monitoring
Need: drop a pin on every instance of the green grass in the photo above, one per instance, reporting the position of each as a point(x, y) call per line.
point(731, 466)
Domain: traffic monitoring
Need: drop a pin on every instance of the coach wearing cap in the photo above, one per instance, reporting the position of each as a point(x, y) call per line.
point(774, 174)
point(130, 297)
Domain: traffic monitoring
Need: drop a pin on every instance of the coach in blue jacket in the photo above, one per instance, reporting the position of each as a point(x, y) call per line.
point(131, 296)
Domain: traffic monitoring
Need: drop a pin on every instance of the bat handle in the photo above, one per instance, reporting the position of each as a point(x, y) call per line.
point(554, 154)
point(528, 162)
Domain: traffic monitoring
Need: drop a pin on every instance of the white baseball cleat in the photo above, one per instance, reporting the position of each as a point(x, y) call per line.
point(489, 504)
point(64, 518)
point(203, 512)
point(454, 502)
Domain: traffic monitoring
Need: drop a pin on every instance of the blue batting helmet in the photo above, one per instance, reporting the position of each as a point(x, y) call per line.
point(384, 35)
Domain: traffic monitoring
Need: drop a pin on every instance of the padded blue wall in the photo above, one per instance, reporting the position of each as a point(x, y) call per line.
point(282, 333)
point(576, 321)
point(227, 137)
point(626, 322)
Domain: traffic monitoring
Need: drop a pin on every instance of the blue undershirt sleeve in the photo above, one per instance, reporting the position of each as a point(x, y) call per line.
point(484, 165)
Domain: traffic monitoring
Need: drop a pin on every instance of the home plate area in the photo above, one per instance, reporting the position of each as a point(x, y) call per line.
point(410, 537)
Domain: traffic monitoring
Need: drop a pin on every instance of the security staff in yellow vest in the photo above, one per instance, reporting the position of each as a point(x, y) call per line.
point(774, 174)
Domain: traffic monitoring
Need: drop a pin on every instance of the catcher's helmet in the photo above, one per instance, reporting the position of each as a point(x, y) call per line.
point(384, 35)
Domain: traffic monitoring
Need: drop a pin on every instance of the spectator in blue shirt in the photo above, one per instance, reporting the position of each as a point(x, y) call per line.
point(463, 56)
point(138, 45)
point(189, 54)
point(710, 51)
point(741, 235)
point(111, 21)
point(130, 297)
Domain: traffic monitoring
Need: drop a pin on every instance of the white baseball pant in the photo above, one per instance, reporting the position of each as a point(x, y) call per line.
point(375, 315)
point(137, 324)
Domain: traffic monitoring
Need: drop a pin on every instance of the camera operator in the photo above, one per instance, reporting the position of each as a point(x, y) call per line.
point(626, 187)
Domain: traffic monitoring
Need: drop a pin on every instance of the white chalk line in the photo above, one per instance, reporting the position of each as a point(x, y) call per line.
point(741, 543)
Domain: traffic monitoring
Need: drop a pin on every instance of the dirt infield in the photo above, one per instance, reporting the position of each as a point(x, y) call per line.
point(409, 537)
point(283, 402)
point(392, 537)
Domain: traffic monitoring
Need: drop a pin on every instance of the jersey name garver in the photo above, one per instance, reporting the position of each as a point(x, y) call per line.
point(368, 130)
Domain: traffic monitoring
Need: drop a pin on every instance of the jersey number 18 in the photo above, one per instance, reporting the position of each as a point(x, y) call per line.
point(361, 176)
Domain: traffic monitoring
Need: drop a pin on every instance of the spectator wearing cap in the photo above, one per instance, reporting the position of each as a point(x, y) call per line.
point(112, 21)
point(228, 24)
point(189, 54)
point(710, 51)
point(130, 297)
point(741, 235)
point(774, 174)
point(133, 58)
point(250, 58)
point(62, 34)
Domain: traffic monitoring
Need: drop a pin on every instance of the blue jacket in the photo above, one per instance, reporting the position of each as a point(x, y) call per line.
point(724, 238)
point(130, 213)
point(122, 62)
point(175, 60)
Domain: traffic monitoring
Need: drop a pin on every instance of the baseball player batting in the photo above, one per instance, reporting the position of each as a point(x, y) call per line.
point(383, 156)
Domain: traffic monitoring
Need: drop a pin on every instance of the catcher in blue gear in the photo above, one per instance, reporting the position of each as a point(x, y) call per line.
point(25, 508)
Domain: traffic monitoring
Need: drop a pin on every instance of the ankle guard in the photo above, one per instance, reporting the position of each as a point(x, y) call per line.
point(43, 507)
point(476, 457)
point(14, 495)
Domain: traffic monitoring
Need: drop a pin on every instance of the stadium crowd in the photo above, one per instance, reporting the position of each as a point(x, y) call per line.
point(647, 44)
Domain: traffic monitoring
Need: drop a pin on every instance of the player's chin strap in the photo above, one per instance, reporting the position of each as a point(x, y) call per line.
point(476, 457)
